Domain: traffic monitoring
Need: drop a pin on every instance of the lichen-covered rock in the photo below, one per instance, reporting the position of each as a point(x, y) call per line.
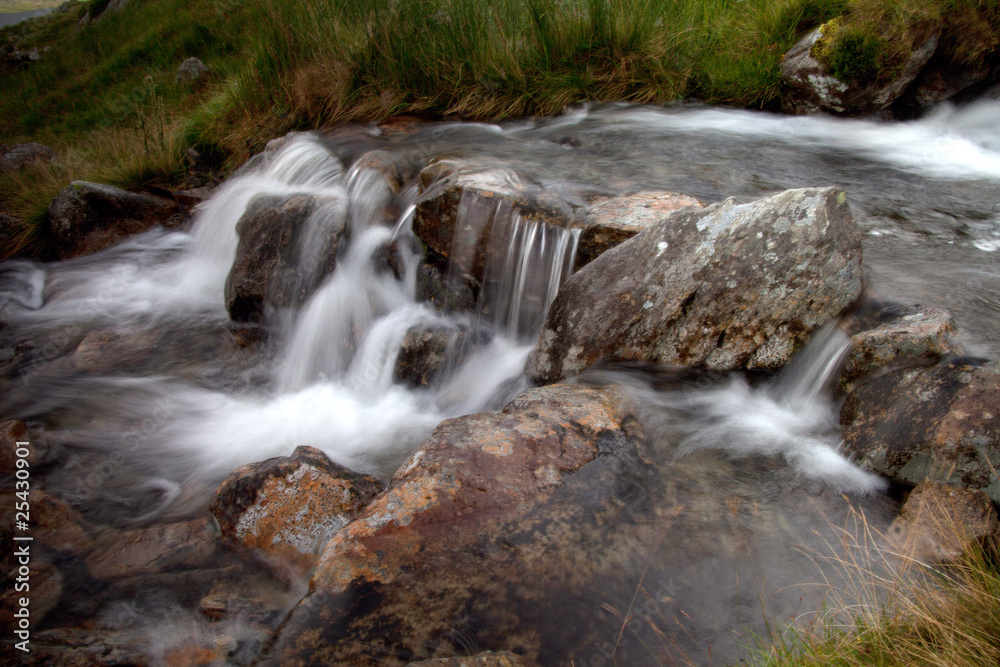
point(938, 523)
point(728, 286)
point(291, 506)
point(612, 220)
point(288, 244)
point(484, 490)
point(813, 89)
point(940, 423)
point(906, 335)
point(87, 217)
point(159, 548)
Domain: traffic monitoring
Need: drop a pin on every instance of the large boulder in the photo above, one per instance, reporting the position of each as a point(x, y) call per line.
point(87, 217)
point(291, 506)
point(464, 506)
point(287, 245)
point(939, 423)
point(729, 286)
point(814, 89)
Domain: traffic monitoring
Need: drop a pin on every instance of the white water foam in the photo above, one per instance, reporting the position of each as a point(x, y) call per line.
point(949, 143)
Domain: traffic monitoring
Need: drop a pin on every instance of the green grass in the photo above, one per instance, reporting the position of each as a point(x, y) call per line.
point(278, 65)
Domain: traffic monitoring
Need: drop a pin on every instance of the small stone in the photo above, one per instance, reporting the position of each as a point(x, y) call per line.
point(191, 70)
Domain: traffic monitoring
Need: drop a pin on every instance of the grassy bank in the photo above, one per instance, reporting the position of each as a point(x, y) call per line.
point(900, 612)
point(278, 65)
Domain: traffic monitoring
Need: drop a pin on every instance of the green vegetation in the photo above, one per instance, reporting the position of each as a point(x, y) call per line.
point(902, 613)
point(278, 65)
point(874, 38)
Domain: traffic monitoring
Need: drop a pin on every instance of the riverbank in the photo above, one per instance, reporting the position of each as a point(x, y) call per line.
point(106, 94)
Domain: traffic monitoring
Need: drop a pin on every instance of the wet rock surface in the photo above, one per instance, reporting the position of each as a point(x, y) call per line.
point(276, 235)
point(939, 424)
point(460, 203)
point(899, 336)
point(938, 523)
point(729, 286)
point(159, 548)
point(87, 217)
point(485, 659)
point(291, 506)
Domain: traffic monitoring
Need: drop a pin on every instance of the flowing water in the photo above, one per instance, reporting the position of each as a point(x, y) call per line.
point(126, 366)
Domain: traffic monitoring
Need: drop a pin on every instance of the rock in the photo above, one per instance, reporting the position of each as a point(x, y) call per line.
point(485, 659)
point(291, 506)
point(87, 217)
point(19, 156)
point(114, 6)
point(939, 81)
point(938, 523)
point(448, 293)
point(939, 424)
point(58, 525)
point(908, 336)
point(465, 207)
point(728, 286)
point(159, 548)
point(75, 647)
point(426, 351)
point(104, 350)
point(813, 89)
point(12, 432)
point(46, 587)
point(288, 244)
point(463, 507)
point(611, 220)
point(191, 70)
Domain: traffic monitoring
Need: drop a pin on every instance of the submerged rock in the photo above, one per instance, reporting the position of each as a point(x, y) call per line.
point(159, 548)
point(87, 217)
point(291, 506)
point(288, 244)
point(485, 659)
point(939, 424)
point(729, 286)
point(426, 351)
point(938, 523)
point(814, 89)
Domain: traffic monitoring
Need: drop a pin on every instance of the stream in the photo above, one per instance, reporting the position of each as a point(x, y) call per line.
point(126, 367)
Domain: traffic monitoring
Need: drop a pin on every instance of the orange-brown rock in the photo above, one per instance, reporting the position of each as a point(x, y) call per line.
point(484, 491)
point(940, 423)
point(159, 548)
point(291, 506)
point(938, 523)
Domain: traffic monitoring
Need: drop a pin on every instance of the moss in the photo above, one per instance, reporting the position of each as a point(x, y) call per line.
point(852, 54)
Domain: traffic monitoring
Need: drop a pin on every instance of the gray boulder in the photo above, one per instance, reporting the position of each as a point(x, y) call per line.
point(87, 217)
point(287, 245)
point(728, 286)
point(938, 424)
point(19, 156)
point(191, 70)
point(813, 89)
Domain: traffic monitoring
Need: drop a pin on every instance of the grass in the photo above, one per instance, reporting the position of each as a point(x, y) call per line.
point(278, 65)
point(900, 612)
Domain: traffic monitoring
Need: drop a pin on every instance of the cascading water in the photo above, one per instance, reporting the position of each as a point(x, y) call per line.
point(148, 429)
